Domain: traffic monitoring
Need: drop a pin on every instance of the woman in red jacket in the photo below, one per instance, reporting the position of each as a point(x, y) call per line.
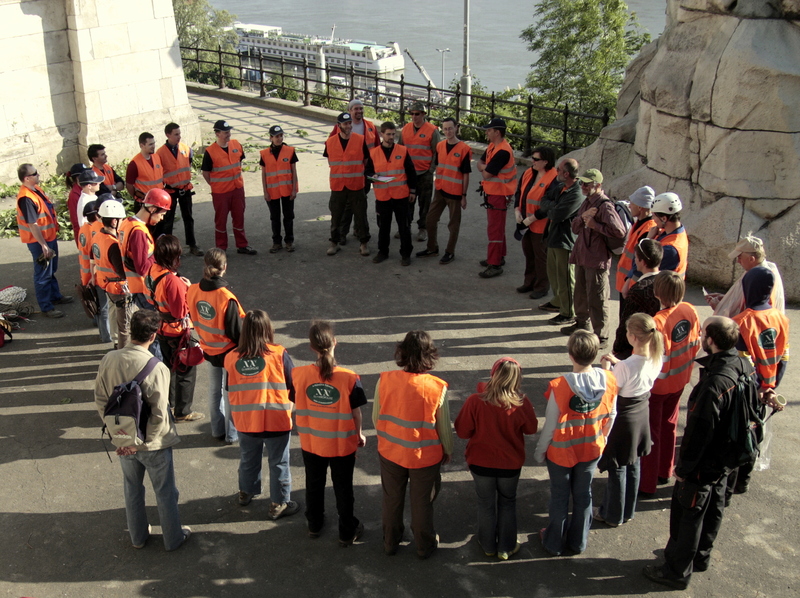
point(495, 419)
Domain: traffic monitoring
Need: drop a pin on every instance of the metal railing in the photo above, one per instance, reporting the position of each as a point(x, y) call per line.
point(528, 124)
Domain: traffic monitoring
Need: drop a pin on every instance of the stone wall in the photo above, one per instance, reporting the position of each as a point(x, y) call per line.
point(708, 111)
point(87, 71)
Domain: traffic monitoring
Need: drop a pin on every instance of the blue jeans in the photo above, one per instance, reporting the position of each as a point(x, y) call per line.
point(102, 316)
point(280, 477)
point(497, 512)
point(218, 405)
point(619, 503)
point(44, 277)
point(566, 481)
point(160, 468)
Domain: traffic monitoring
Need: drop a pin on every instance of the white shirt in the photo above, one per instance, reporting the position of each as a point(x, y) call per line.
point(635, 375)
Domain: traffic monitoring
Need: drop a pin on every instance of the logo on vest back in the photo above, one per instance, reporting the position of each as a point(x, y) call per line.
point(250, 367)
point(206, 310)
point(766, 340)
point(581, 405)
point(148, 282)
point(82, 239)
point(323, 394)
point(681, 331)
point(96, 251)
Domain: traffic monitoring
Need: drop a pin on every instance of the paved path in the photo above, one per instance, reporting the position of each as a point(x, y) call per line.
point(63, 524)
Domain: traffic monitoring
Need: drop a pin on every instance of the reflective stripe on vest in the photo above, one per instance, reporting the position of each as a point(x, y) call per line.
point(126, 231)
point(278, 172)
point(419, 144)
point(45, 219)
point(208, 310)
point(406, 425)
point(85, 235)
point(680, 328)
point(635, 233)
point(258, 392)
point(680, 241)
point(578, 436)
point(397, 188)
point(226, 170)
point(346, 166)
point(766, 335)
point(504, 182)
point(149, 173)
point(449, 178)
point(177, 169)
point(107, 277)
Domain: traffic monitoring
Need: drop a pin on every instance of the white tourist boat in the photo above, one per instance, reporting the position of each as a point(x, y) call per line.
point(340, 54)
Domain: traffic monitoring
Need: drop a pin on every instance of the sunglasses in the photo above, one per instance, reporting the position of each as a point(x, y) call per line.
point(416, 113)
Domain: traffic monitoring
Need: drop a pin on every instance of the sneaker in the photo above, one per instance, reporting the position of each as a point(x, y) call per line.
point(247, 250)
point(64, 300)
point(526, 288)
point(187, 532)
point(504, 556)
point(539, 294)
point(333, 249)
point(190, 417)
point(485, 264)
point(597, 517)
point(140, 546)
point(491, 272)
point(656, 574)
point(549, 307)
point(53, 313)
point(422, 235)
point(447, 258)
point(428, 253)
point(275, 248)
point(406, 261)
point(245, 498)
point(363, 249)
point(276, 511)
point(567, 330)
point(561, 320)
point(195, 250)
point(380, 257)
point(356, 536)
point(289, 247)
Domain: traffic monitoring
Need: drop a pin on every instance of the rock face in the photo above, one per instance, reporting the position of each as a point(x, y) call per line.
point(709, 111)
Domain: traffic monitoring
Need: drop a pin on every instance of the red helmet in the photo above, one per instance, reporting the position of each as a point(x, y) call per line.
point(158, 198)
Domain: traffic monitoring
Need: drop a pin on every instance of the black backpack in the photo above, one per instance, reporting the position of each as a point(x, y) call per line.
point(126, 413)
point(745, 420)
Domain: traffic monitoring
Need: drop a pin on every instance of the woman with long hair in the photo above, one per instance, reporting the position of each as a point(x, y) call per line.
point(495, 420)
point(412, 418)
point(261, 393)
point(629, 439)
point(217, 317)
point(328, 399)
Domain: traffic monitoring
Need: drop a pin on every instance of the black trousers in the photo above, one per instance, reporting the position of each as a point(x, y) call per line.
point(181, 385)
point(694, 521)
point(342, 478)
point(182, 197)
point(286, 205)
point(399, 209)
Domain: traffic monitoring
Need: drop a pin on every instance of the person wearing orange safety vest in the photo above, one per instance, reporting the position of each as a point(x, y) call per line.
point(91, 227)
point(261, 393)
point(112, 182)
point(279, 179)
point(581, 407)
point(38, 227)
point(533, 185)
point(680, 328)
point(641, 203)
point(328, 400)
point(109, 272)
point(391, 169)
point(176, 158)
point(421, 139)
point(347, 154)
point(222, 170)
point(499, 171)
point(670, 233)
point(415, 438)
point(145, 170)
point(217, 318)
point(452, 160)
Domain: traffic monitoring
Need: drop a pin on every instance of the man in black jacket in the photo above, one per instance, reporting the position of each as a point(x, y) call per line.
point(698, 497)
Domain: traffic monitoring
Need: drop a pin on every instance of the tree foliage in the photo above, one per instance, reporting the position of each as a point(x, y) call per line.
point(200, 25)
point(583, 47)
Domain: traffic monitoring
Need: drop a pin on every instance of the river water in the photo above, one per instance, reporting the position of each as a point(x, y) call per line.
point(498, 57)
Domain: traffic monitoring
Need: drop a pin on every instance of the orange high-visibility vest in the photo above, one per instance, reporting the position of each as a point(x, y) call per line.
point(107, 173)
point(766, 335)
point(371, 136)
point(419, 145)
point(126, 230)
point(177, 170)
point(347, 166)
point(533, 199)
point(407, 422)
point(156, 283)
point(85, 235)
point(393, 167)
point(149, 174)
point(207, 310)
point(680, 241)
point(578, 436)
point(680, 328)
point(324, 418)
point(278, 171)
point(106, 278)
point(258, 393)
point(629, 251)
point(226, 173)
point(449, 178)
point(505, 181)
point(45, 218)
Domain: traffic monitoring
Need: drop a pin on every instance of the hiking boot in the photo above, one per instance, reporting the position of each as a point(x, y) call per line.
point(526, 288)
point(539, 294)
point(491, 272)
point(275, 248)
point(656, 574)
point(485, 264)
point(247, 250)
point(567, 330)
point(190, 417)
point(380, 257)
point(549, 307)
point(64, 300)
point(276, 511)
point(561, 320)
point(597, 517)
point(245, 498)
point(356, 536)
point(427, 253)
point(290, 247)
point(195, 250)
point(53, 313)
point(333, 249)
point(363, 249)
point(447, 258)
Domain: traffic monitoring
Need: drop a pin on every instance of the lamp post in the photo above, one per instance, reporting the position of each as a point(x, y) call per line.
point(443, 52)
point(466, 76)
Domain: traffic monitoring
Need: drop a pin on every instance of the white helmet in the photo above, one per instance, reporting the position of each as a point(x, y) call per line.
point(111, 209)
point(667, 203)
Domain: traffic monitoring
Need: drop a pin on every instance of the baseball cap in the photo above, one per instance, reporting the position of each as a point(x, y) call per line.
point(89, 176)
point(749, 244)
point(344, 117)
point(77, 169)
point(591, 176)
point(643, 197)
point(275, 130)
point(222, 125)
point(496, 123)
point(418, 107)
